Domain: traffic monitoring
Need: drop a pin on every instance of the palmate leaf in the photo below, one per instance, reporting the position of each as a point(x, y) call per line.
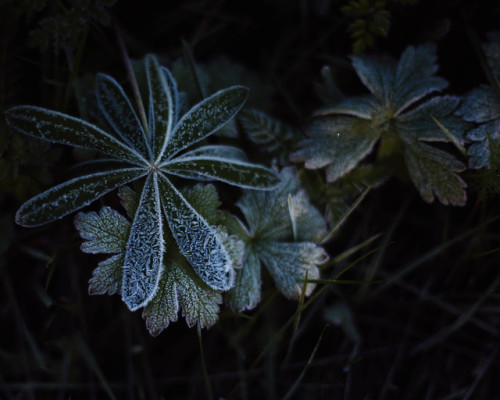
point(399, 112)
point(179, 288)
point(270, 217)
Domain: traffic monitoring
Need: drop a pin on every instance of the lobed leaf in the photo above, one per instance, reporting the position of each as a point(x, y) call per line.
point(144, 252)
point(485, 143)
point(56, 127)
point(180, 289)
point(120, 114)
point(105, 232)
point(361, 107)
point(433, 172)
point(205, 118)
point(340, 142)
point(234, 172)
point(197, 240)
point(377, 74)
point(310, 224)
point(480, 105)
point(72, 195)
point(204, 199)
point(261, 128)
point(246, 293)
point(107, 277)
point(288, 264)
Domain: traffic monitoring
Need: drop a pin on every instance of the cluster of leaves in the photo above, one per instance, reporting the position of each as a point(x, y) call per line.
point(149, 151)
point(402, 112)
point(482, 107)
point(372, 18)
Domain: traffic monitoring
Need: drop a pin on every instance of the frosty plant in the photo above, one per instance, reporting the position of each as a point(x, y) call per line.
point(151, 153)
point(403, 114)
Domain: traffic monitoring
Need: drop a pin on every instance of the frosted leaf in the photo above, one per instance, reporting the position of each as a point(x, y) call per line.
point(105, 232)
point(288, 264)
point(480, 105)
point(181, 290)
point(234, 172)
point(310, 224)
point(414, 78)
point(56, 127)
point(197, 240)
point(204, 199)
point(377, 74)
point(267, 213)
point(107, 277)
point(218, 151)
point(120, 114)
point(234, 246)
point(485, 142)
point(144, 254)
point(172, 85)
point(339, 141)
point(361, 107)
point(418, 124)
point(205, 118)
point(263, 129)
point(161, 108)
point(246, 293)
point(129, 200)
point(72, 195)
point(433, 172)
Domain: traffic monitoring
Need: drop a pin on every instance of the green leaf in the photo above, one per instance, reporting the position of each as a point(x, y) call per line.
point(361, 107)
point(267, 212)
point(217, 151)
point(144, 253)
point(105, 232)
point(56, 127)
point(129, 200)
point(205, 118)
point(107, 277)
point(340, 142)
point(480, 105)
point(433, 172)
point(120, 114)
point(204, 199)
point(161, 106)
point(234, 172)
point(288, 264)
point(262, 129)
point(72, 195)
point(181, 290)
point(377, 74)
point(245, 294)
point(310, 224)
point(197, 240)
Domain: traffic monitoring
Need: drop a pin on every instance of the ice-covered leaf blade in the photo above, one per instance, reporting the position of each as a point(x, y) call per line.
point(246, 293)
point(144, 254)
point(339, 141)
point(172, 85)
point(204, 199)
point(205, 118)
point(419, 124)
point(434, 173)
point(107, 277)
point(480, 105)
point(197, 240)
point(288, 264)
point(234, 172)
point(376, 73)
point(161, 107)
point(485, 144)
point(218, 151)
point(72, 195)
point(103, 232)
point(120, 114)
point(267, 211)
point(261, 128)
point(181, 290)
point(310, 224)
point(361, 107)
point(60, 128)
